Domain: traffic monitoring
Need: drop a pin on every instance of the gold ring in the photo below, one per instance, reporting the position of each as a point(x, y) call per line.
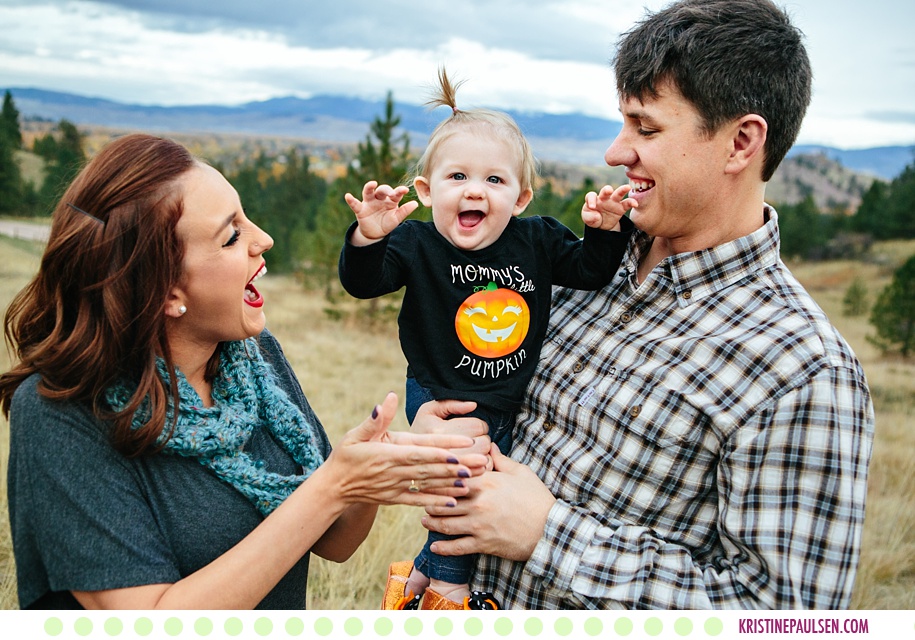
point(414, 488)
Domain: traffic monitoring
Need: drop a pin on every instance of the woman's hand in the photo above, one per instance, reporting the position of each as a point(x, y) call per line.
point(374, 465)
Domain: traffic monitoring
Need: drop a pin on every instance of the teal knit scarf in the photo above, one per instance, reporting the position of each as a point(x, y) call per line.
point(245, 397)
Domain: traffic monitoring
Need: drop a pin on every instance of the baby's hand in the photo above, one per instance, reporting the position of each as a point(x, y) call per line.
point(379, 212)
point(603, 210)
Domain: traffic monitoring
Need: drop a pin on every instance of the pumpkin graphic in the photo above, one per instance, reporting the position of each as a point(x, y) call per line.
point(492, 322)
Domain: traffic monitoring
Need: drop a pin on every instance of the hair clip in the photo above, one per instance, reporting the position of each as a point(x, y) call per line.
point(86, 213)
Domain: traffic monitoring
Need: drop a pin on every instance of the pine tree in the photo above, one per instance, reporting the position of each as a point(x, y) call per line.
point(869, 217)
point(64, 157)
point(9, 122)
point(900, 208)
point(11, 187)
point(379, 157)
point(546, 202)
point(293, 197)
point(801, 228)
point(854, 303)
point(282, 195)
point(570, 213)
point(326, 241)
point(384, 156)
point(893, 315)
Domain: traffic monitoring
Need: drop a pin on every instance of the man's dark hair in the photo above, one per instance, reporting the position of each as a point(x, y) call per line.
point(726, 57)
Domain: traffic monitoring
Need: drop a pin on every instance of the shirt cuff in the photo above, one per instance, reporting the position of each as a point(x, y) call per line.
point(360, 267)
point(615, 241)
point(383, 242)
point(567, 535)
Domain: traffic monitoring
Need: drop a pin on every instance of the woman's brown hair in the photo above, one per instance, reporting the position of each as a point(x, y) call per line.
point(94, 315)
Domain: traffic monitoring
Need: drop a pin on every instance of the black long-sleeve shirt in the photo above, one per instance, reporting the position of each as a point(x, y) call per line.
point(472, 322)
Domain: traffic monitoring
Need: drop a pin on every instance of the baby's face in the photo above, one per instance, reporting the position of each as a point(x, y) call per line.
point(474, 188)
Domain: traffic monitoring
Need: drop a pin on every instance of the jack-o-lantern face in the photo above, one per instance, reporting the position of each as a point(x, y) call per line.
point(492, 322)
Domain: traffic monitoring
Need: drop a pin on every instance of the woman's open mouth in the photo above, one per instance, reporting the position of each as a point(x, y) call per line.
point(253, 297)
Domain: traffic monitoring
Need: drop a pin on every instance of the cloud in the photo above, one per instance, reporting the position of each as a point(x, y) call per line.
point(538, 55)
point(904, 117)
point(856, 132)
point(138, 62)
point(580, 30)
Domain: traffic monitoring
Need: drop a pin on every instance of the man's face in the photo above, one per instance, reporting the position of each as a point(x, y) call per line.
point(676, 169)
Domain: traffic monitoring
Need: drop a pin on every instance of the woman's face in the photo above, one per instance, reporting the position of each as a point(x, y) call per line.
point(223, 257)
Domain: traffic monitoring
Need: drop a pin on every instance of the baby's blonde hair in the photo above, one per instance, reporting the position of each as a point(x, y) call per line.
point(501, 124)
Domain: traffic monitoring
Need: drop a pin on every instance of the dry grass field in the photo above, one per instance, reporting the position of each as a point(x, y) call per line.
point(346, 368)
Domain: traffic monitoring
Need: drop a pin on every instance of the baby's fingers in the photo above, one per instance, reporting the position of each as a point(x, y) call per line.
point(354, 203)
point(617, 194)
point(384, 192)
point(389, 193)
point(368, 191)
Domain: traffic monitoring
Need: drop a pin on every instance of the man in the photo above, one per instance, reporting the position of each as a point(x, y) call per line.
point(698, 434)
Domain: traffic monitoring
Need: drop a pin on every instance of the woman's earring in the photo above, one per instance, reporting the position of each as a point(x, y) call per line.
point(182, 309)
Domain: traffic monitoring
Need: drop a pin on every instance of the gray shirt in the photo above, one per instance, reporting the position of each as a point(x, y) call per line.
point(86, 518)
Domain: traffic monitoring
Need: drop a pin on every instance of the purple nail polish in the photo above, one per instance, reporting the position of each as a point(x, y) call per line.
point(459, 483)
point(451, 504)
point(452, 460)
point(463, 474)
point(375, 412)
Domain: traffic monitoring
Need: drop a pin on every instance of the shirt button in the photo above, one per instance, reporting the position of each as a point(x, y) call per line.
point(547, 425)
point(577, 367)
point(687, 294)
point(635, 411)
point(626, 317)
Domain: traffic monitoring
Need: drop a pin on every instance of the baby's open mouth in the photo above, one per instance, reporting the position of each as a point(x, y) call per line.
point(470, 219)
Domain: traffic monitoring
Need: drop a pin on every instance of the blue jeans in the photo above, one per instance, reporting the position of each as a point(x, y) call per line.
point(455, 569)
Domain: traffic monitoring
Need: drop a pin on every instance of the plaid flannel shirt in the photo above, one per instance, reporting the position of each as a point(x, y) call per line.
point(707, 436)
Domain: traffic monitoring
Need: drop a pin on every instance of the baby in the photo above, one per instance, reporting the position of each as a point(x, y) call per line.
point(478, 287)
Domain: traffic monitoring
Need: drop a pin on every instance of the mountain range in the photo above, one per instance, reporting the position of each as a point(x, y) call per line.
point(569, 138)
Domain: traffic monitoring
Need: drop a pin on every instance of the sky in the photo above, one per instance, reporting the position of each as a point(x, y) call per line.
point(525, 55)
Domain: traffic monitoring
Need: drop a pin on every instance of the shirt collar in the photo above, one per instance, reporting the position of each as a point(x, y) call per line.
point(699, 274)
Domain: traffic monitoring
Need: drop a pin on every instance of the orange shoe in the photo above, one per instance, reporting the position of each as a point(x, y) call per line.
point(435, 601)
point(478, 600)
point(394, 596)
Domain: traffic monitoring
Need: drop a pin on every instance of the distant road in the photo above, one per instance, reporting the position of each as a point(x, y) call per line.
point(24, 230)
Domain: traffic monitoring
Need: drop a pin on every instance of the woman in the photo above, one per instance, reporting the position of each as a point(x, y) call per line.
point(145, 301)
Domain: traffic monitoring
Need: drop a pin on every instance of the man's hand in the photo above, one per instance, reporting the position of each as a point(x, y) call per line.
point(504, 515)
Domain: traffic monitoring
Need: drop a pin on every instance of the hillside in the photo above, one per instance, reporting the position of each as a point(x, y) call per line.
point(570, 138)
point(327, 128)
point(833, 186)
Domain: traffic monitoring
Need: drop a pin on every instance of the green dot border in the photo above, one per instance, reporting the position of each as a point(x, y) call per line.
point(427, 625)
